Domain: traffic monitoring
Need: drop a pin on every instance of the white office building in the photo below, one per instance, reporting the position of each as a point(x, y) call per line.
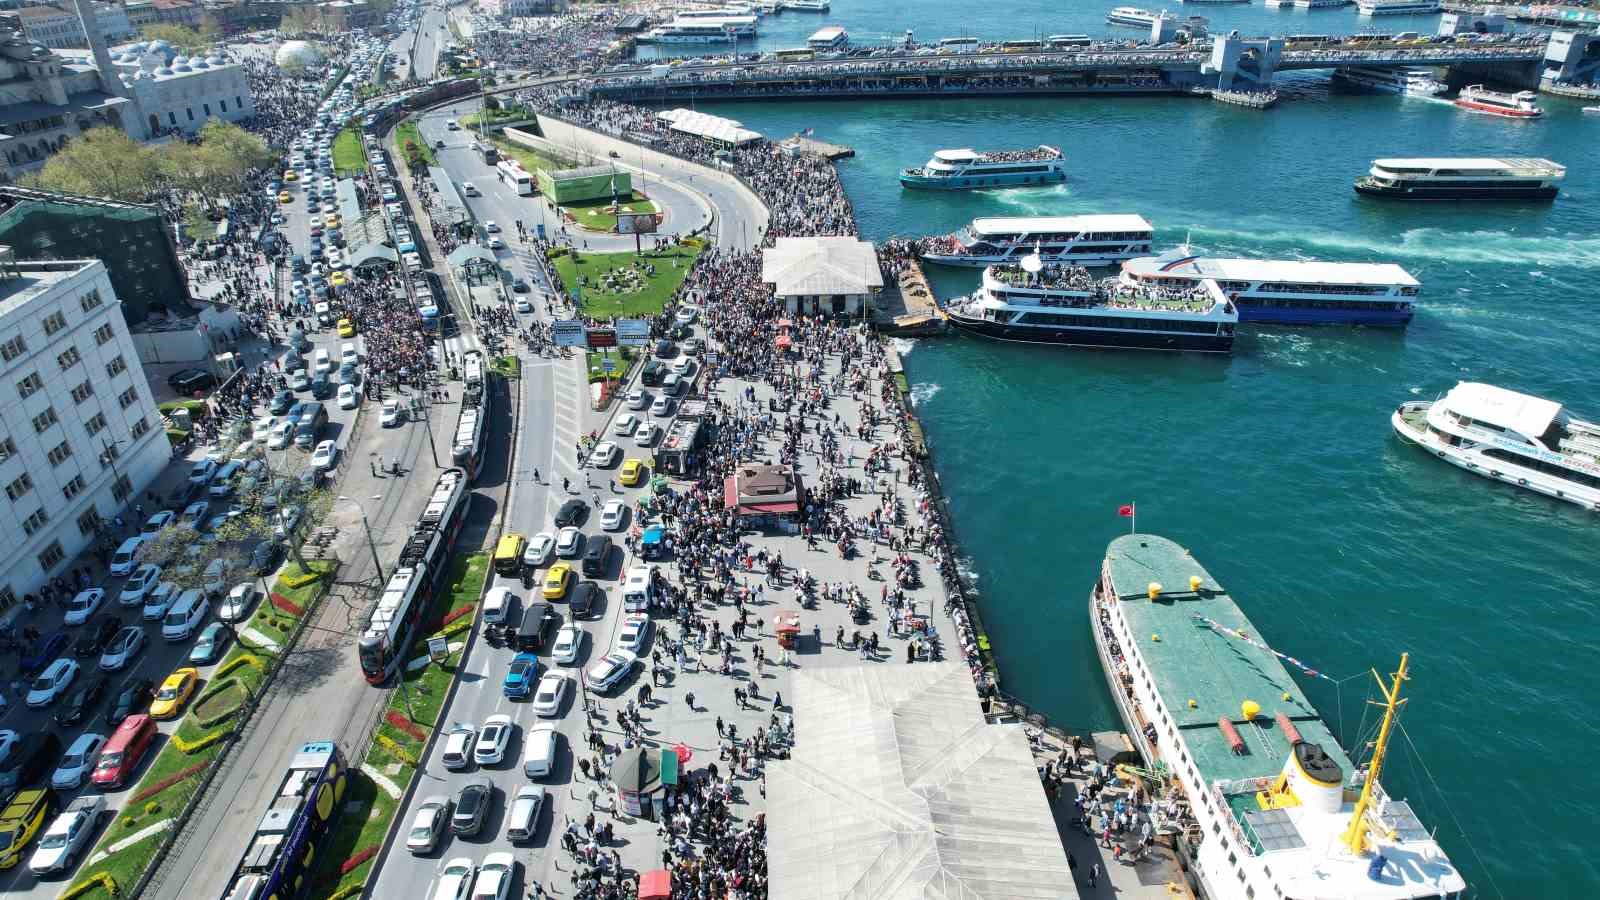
point(80, 435)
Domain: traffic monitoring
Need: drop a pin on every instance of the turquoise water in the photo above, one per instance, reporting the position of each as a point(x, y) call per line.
point(1277, 466)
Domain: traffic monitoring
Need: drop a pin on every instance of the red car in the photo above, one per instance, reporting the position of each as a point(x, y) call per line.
point(121, 756)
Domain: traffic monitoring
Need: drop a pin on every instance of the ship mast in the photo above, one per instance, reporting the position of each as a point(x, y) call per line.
point(1355, 836)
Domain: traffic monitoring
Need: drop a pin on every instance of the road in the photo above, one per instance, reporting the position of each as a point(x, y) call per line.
point(432, 34)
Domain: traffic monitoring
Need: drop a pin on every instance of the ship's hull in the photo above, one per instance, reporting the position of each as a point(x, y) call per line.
point(1087, 260)
point(1455, 192)
point(1489, 109)
point(980, 181)
point(1094, 339)
point(1494, 469)
point(1291, 315)
point(1419, 9)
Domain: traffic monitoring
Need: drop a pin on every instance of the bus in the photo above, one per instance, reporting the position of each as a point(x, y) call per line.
point(511, 172)
point(959, 44)
point(277, 861)
point(1021, 46)
point(796, 54)
point(1067, 41)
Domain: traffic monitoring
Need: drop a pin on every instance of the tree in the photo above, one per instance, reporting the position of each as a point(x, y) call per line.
point(104, 162)
point(182, 37)
point(238, 152)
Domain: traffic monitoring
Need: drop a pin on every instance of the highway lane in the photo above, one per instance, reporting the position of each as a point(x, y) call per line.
point(432, 34)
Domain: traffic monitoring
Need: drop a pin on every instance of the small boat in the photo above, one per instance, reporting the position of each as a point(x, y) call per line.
point(1591, 109)
point(1479, 99)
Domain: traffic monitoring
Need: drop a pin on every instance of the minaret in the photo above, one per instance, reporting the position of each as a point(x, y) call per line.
point(109, 79)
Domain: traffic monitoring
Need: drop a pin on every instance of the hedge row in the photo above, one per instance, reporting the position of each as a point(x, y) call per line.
point(195, 746)
point(97, 880)
point(243, 659)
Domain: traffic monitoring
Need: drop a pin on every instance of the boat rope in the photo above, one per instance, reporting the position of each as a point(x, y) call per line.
point(1220, 628)
point(1465, 837)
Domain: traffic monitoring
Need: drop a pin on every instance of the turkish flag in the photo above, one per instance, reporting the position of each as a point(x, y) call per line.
point(1125, 510)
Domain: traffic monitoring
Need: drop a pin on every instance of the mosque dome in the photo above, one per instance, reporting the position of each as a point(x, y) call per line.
point(302, 53)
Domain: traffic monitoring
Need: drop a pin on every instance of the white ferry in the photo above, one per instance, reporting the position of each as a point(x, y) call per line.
point(967, 169)
point(1092, 240)
point(1410, 82)
point(1457, 178)
point(1289, 291)
point(1133, 16)
point(704, 30)
point(1511, 437)
point(1479, 99)
point(831, 37)
point(1281, 811)
point(1397, 7)
point(1036, 303)
point(1306, 4)
point(820, 6)
point(716, 12)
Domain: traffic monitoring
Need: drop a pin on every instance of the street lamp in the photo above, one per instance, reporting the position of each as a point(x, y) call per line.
point(366, 526)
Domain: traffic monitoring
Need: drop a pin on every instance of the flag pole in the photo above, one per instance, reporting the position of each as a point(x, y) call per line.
point(1133, 520)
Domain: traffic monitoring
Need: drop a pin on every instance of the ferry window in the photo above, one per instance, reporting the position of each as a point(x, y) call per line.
point(1240, 873)
point(1233, 859)
point(1215, 828)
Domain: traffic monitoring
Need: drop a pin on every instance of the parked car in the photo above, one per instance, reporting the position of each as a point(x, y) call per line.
point(139, 584)
point(458, 744)
point(520, 676)
point(44, 651)
point(78, 763)
point(52, 683)
point(239, 602)
point(187, 381)
point(85, 604)
point(81, 702)
point(499, 869)
point(552, 693)
point(537, 553)
point(429, 824)
point(472, 807)
point(133, 699)
point(96, 636)
point(490, 750)
point(210, 645)
point(613, 515)
point(124, 647)
point(572, 512)
point(174, 692)
point(610, 670)
point(69, 835)
point(569, 543)
point(568, 645)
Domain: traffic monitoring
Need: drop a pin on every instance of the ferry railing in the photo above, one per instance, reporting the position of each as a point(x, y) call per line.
point(1219, 793)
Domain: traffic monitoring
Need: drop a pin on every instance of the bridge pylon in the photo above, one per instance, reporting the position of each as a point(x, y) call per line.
point(1572, 58)
point(1243, 63)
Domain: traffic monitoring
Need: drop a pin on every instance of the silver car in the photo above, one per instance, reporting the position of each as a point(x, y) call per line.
point(429, 824)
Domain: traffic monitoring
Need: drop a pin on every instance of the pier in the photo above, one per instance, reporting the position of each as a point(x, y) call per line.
point(907, 307)
point(806, 144)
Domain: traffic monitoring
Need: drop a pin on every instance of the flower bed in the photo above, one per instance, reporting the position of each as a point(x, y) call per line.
point(149, 791)
point(454, 614)
point(220, 703)
point(195, 746)
point(287, 605)
point(393, 717)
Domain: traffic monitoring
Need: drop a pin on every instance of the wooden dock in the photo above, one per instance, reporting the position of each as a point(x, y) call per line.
point(806, 144)
point(907, 308)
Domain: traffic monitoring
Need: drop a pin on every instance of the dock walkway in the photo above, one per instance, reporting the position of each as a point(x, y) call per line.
point(807, 144)
point(906, 307)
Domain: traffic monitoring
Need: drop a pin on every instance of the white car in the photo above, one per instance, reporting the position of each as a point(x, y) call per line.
point(568, 645)
point(683, 366)
point(662, 407)
point(156, 604)
point(242, 599)
point(393, 414)
point(68, 835)
point(458, 746)
point(538, 550)
point(490, 750)
point(322, 457)
point(494, 877)
point(281, 436)
point(490, 226)
point(430, 823)
point(195, 513)
point(84, 605)
point(626, 423)
point(455, 880)
point(158, 521)
point(609, 670)
point(139, 584)
point(78, 762)
point(605, 454)
point(124, 646)
point(685, 314)
point(523, 306)
point(552, 691)
point(646, 436)
point(569, 542)
point(496, 244)
point(638, 399)
point(612, 515)
point(635, 633)
point(348, 398)
point(52, 682)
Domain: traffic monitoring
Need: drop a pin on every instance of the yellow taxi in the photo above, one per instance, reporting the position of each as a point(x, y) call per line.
point(283, 197)
point(557, 580)
point(632, 472)
point(337, 279)
point(347, 328)
point(174, 693)
point(21, 821)
point(291, 175)
point(331, 221)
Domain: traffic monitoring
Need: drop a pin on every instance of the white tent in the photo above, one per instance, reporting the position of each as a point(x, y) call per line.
point(728, 132)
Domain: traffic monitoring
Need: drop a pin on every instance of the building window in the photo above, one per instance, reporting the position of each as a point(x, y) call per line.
point(190, 110)
point(122, 488)
point(19, 488)
point(13, 348)
point(141, 428)
point(45, 419)
point(33, 523)
point(8, 448)
point(110, 455)
point(129, 397)
point(223, 104)
point(104, 333)
point(27, 386)
point(90, 300)
point(206, 107)
point(54, 323)
point(96, 424)
point(60, 453)
point(82, 392)
point(68, 358)
point(74, 487)
point(172, 118)
point(116, 367)
point(89, 523)
point(52, 556)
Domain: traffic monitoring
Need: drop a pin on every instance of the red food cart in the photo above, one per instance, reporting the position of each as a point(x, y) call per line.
point(787, 626)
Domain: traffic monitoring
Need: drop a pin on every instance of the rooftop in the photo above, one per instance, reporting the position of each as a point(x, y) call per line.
point(1287, 270)
point(797, 266)
point(1530, 163)
point(22, 280)
point(1523, 413)
point(1054, 224)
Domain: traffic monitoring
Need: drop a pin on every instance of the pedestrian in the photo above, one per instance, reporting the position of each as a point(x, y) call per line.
point(689, 699)
point(777, 699)
point(1094, 875)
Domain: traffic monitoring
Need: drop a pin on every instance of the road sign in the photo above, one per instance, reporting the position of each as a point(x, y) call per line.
point(567, 332)
point(608, 364)
point(601, 337)
point(438, 649)
point(633, 332)
point(540, 226)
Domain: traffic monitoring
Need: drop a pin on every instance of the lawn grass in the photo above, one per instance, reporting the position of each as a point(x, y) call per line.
point(356, 830)
point(496, 116)
point(508, 366)
point(625, 357)
point(407, 131)
point(672, 267)
point(531, 159)
point(596, 215)
point(348, 156)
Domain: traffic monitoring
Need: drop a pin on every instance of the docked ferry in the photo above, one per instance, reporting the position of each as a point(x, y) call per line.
point(966, 169)
point(1132, 16)
point(1039, 303)
point(1411, 82)
point(1507, 436)
point(1281, 810)
point(1289, 291)
point(1397, 7)
point(1092, 240)
point(1479, 99)
point(701, 30)
point(1463, 178)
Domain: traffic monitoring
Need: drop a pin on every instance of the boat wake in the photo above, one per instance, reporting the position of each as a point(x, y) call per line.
point(1035, 201)
point(903, 346)
point(1439, 244)
point(923, 391)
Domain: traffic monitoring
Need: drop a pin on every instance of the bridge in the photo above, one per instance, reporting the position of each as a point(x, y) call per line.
point(1227, 62)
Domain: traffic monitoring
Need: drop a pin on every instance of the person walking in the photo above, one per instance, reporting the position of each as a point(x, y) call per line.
point(1094, 875)
point(689, 699)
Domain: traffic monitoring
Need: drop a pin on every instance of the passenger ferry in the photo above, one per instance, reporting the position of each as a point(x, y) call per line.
point(818, 6)
point(1479, 99)
point(831, 37)
point(1038, 303)
point(1093, 240)
point(1458, 178)
point(1511, 437)
point(1133, 16)
point(1397, 7)
point(1306, 4)
point(1280, 809)
point(953, 170)
point(701, 31)
point(1289, 291)
point(1411, 82)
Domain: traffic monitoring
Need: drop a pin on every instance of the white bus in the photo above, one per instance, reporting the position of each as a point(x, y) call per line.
point(511, 172)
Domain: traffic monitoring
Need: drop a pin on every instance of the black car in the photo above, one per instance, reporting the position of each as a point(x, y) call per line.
point(654, 371)
point(97, 635)
point(472, 807)
point(190, 380)
point(519, 286)
point(44, 652)
point(281, 401)
point(134, 697)
point(572, 512)
point(322, 387)
point(264, 558)
point(82, 701)
point(585, 599)
point(34, 755)
point(665, 349)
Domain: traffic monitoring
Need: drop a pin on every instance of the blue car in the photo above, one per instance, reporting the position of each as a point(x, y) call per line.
point(44, 652)
point(521, 676)
point(212, 642)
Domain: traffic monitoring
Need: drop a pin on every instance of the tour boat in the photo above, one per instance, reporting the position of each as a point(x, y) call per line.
point(1507, 436)
point(1591, 109)
point(819, 6)
point(966, 169)
point(1039, 303)
point(704, 30)
point(1411, 81)
point(1092, 240)
point(1280, 810)
point(831, 37)
point(1289, 291)
point(1458, 178)
point(1479, 99)
point(1132, 16)
point(1397, 7)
